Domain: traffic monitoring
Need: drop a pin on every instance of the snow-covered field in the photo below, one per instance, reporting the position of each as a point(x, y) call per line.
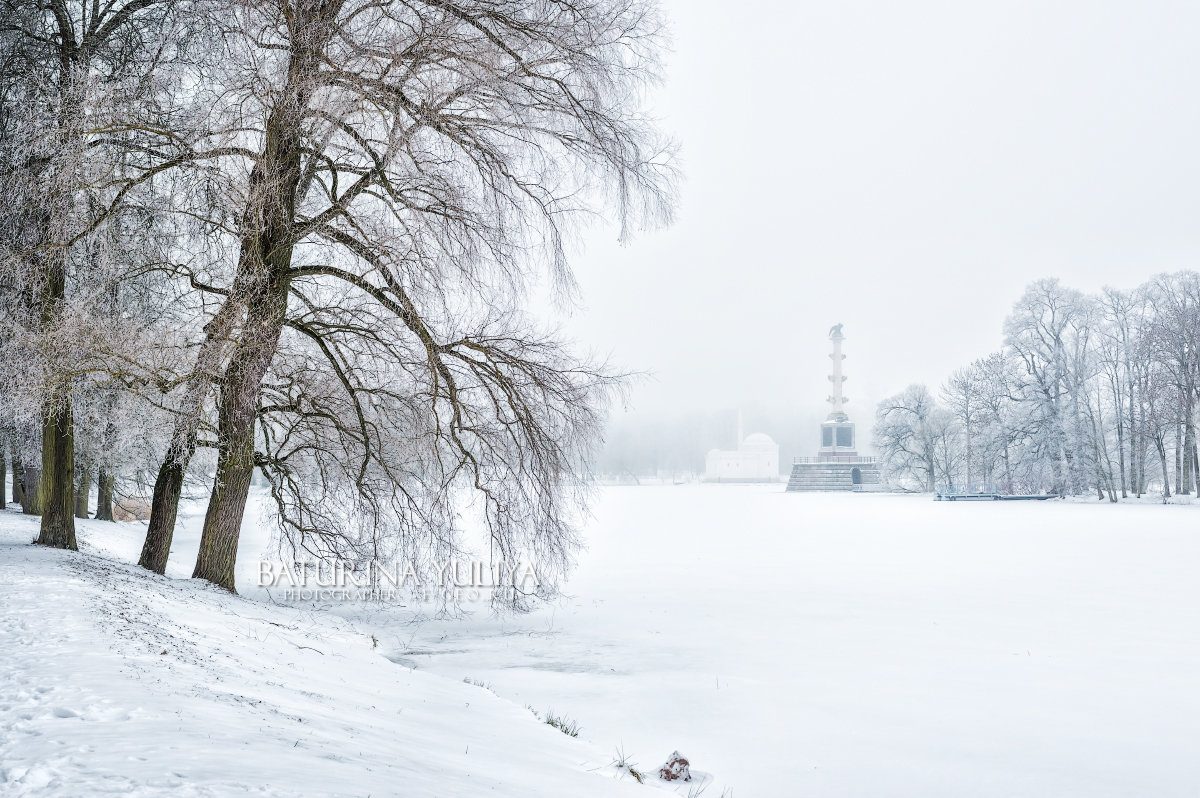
point(855, 645)
point(809, 645)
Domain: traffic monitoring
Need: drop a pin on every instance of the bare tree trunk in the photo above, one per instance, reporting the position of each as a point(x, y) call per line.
point(1178, 458)
point(1061, 464)
point(1137, 454)
point(164, 509)
point(1195, 466)
point(217, 557)
point(57, 495)
point(237, 411)
point(1102, 479)
point(1103, 460)
point(1135, 440)
point(264, 262)
point(18, 478)
point(168, 485)
point(1008, 479)
point(1143, 456)
point(931, 469)
point(1189, 442)
point(104, 495)
point(1162, 455)
point(1078, 456)
point(31, 489)
point(1121, 454)
point(3, 469)
point(83, 489)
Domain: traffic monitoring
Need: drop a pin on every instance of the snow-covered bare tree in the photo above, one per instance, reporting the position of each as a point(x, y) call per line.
point(963, 394)
point(1091, 393)
point(1173, 335)
point(1048, 331)
point(81, 132)
point(917, 439)
point(405, 173)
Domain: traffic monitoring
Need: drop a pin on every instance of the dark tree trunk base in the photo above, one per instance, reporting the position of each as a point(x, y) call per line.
point(104, 495)
point(164, 508)
point(31, 490)
point(82, 491)
point(57, 492)
point(223, 525)
point(18, 478)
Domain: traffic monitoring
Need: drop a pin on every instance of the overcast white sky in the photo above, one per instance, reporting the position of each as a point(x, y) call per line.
point(903, 168)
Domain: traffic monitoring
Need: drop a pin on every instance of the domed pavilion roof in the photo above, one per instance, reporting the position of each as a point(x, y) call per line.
point(758, 442)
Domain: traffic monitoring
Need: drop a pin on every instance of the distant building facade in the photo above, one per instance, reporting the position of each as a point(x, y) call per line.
point(756, 459)
point(837, 465)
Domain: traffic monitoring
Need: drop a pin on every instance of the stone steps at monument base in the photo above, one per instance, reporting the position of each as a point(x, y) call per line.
point(801, 484)
point(831, 476)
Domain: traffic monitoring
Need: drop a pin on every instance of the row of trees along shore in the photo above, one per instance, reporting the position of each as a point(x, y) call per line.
point(1090, 394)
point(299, 238)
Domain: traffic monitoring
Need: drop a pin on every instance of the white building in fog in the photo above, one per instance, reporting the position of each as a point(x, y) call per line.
point(756, 459)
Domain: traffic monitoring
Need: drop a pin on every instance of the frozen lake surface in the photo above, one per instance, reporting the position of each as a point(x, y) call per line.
point(845, 645)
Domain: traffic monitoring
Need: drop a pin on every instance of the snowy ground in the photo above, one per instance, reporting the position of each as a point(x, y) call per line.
point(866, 645)
point(115, 681)
point(809, 645)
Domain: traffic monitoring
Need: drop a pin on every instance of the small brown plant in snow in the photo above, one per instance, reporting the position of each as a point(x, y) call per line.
point(676, 768)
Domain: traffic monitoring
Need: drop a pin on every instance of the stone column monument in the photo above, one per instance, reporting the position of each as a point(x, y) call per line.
point(836, 378)
point(837, 465)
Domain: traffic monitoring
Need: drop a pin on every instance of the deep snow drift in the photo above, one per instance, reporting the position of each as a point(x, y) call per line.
point(789, 644)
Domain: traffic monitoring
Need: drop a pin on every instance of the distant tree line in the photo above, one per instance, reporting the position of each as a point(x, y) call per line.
point(1090, 394)
point(296, 238)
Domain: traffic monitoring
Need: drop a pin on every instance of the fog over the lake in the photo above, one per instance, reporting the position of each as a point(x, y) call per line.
point(904, 169)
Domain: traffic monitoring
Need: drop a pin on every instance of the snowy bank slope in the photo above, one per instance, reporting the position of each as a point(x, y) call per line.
point(113, 680)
